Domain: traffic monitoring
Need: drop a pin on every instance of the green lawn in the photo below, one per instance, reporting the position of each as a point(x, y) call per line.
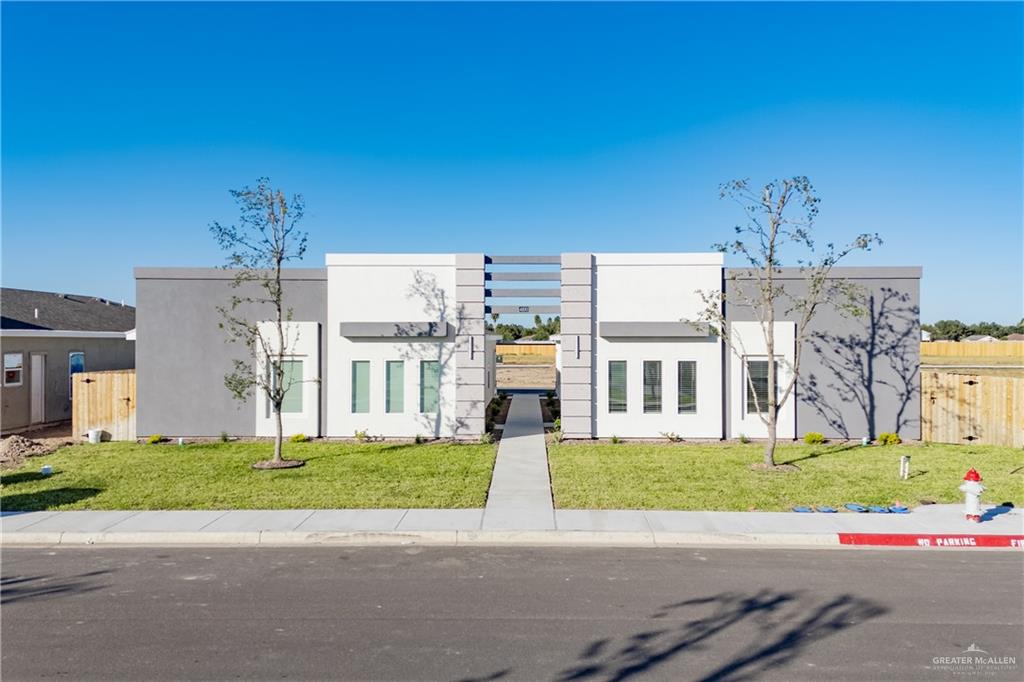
point(719, 477)
point(218, 476)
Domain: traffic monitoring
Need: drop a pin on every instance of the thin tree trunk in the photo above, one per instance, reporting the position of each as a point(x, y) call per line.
point(769, 447)
point(279, 436)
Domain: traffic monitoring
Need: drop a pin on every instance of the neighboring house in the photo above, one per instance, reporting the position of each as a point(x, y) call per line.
point(926, 335)
point(979, 338)
point(46, 337)
point(1015, 337)
point(395, 344)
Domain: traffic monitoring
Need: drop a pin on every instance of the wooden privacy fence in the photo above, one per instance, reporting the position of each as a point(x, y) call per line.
point(977, 349)
point(104, 400)
point(546, 350)
point(972, 408)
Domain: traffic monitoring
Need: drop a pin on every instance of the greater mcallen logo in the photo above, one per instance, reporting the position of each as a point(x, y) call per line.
point(975, 661)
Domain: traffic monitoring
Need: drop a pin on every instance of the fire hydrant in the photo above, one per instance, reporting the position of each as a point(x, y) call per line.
point(972, 490)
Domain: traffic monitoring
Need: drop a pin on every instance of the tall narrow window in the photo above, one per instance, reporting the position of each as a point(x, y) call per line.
point(687, 386)
point(616, 385)
point(292, 403)
point(430, 385)
point(652, 386)
point(394, 386)
point(360, 386)
point(76, 364)
point(757, 386)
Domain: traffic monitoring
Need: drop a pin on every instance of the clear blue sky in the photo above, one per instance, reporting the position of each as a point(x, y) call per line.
point(525, 128)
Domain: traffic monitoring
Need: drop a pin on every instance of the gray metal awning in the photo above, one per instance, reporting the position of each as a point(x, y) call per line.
point(394, 330)
point(660, 330)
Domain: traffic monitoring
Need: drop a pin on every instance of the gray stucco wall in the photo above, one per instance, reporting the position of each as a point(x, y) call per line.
point(100, 354)
point(859, 376)
point(182, 355)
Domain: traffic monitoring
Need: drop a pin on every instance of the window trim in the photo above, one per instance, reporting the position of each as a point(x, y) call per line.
point(747, 387)
point(660, 386)
point(387, 386)
point(369, 380)
point(20, 369)
point(625, 387)
point(679, 387)
point(71, 374)
point(422, 395)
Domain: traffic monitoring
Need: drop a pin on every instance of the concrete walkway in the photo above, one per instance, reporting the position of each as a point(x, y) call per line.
point(520, 494)
point(569, 527)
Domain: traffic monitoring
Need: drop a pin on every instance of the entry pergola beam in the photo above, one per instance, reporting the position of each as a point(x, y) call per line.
point(523, 260)
point(553, 276)
point(529, 309)
point(523, 293)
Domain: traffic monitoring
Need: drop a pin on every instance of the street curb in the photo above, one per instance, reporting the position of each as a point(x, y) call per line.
point(534, 538)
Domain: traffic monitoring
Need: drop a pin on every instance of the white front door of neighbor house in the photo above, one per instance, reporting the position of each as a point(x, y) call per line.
point(37, 380)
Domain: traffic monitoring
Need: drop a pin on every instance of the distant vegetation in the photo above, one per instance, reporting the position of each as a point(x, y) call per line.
point(954, 330)
point(542, 330)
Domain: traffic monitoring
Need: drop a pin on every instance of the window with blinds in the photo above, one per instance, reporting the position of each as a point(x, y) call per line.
point(430, 385)
point(687, 371)
point(360, 386)
point(652, 386)
point(394, 386)
point(616, 385)
point(757, 386)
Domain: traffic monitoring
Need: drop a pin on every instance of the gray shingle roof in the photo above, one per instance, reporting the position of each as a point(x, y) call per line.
point(71, 312)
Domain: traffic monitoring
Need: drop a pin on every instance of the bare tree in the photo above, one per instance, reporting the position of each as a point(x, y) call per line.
point(770, 234)
point(265, 238)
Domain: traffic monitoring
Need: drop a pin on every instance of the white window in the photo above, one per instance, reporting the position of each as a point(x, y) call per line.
point(687, 370)
point(76, 364)
point(616, 385)
point(652, 386)
point(13, 367)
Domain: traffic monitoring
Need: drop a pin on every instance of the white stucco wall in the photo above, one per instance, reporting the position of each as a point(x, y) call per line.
point(389, 288)
point(748, 342)
point(656, 288)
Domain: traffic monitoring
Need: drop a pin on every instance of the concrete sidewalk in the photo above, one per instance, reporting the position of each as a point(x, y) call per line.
point(467, 527)
point(520, 493)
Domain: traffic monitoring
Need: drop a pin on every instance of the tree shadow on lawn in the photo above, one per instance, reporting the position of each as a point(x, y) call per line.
point(24, 477)
point(46, 499)
point(834, 450)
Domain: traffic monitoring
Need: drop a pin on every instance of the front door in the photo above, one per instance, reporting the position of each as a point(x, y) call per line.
point(37, 381)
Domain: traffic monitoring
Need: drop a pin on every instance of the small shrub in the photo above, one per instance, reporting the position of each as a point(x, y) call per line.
point(486, 438)
point(557, 424)
point(557, 435)
point(154, 439)
point(419, 439)
point(299, 438)
point(616, 440)
point(362, 436)
point(744, 439)
point(224, 437)
point(889, 438)
point(814, 438)
point(672, 436)
point(550, 395)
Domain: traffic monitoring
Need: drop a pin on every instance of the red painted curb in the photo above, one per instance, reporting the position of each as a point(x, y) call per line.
point(929, 540)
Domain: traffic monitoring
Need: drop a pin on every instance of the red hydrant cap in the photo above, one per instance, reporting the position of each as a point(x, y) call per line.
point(972, 475)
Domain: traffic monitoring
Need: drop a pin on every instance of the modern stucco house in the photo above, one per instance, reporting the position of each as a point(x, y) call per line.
point(395, 344)
point(46, 337)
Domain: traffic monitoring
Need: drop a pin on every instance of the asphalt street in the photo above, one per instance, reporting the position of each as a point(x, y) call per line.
point(421, 613)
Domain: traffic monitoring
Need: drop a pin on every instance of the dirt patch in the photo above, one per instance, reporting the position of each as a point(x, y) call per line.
point(14, 450)
point(526, 377)
point(550, 410)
